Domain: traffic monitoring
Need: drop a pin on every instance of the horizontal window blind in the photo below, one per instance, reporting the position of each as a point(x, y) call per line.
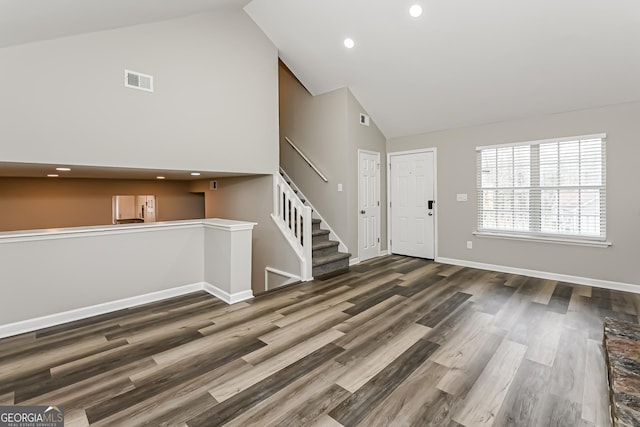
point(550, 188)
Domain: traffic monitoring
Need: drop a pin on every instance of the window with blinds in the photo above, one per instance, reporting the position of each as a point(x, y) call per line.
point(551, 189)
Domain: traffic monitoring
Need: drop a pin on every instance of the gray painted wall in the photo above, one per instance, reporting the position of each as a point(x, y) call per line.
point(215, 105)
point(457, 174)
point(250, 198)
point(317, 125)
point(326, 128)
point(53, 275)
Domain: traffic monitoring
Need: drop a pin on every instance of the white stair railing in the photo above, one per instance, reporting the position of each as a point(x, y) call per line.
point(294, 220)
point(315, 214)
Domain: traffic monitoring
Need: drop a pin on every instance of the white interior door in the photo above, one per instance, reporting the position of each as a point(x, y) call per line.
point(412, 214)
point(368, 204)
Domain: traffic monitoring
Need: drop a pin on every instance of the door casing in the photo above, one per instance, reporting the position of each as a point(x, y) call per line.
point(435, 194)
point(379, 228)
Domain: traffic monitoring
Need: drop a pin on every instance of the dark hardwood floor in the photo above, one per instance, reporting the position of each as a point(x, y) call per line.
point(395, 342)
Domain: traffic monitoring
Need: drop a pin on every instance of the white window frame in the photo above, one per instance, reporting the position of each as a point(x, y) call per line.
point(535, 188)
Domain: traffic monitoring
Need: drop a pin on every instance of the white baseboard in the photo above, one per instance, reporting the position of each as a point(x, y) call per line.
point(354, 261)
point(606, 284)
point(43, 322)
point(291, 278)
point(225, 296)
point(94, 310)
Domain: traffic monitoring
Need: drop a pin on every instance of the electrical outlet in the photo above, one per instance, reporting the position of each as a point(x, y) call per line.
point(462, 197)
point(469, 244)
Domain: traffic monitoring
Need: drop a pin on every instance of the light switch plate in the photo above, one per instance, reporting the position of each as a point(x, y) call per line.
point(461, 197)
point(339, 187)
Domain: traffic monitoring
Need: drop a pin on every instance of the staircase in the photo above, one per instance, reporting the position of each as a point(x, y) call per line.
point(326, 257)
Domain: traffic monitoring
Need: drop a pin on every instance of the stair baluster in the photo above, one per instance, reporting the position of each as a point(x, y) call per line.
point(312, 243)
point(294, 220)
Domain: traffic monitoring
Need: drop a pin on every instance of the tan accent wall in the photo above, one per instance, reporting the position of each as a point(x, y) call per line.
point(36, 203)
point(326, 128)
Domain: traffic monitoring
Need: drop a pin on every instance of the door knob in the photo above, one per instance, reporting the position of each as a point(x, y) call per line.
point(430, 214)
point(363, 212)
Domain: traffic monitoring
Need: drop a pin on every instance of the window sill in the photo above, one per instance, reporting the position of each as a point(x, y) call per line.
point(543, 239)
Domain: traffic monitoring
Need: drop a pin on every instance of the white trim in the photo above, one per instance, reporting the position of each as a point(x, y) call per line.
point(316, 215)
point(544, 239)
point(598, 283)
point(285, 201)
point(433, 150)
point(354, 261)
point(377, 154)
point(229, 225)
point(342, 247)
point(416, 151)
point(55, 319)
point(290, 239)
point(535, 189)
point(94, 310)
point(82, 232)
point(73, 233)
point(384, 253)
point(292, 277)
point(543, 141)
point(225, 296)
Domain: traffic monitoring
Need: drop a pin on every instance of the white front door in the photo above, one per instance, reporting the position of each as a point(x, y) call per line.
point(368, 204)
point(412, 204)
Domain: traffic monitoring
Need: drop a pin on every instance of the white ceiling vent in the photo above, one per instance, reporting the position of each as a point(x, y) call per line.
point(136, 80)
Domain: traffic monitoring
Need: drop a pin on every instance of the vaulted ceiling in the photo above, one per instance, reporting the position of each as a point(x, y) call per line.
point(23, 21)
point(461, 63)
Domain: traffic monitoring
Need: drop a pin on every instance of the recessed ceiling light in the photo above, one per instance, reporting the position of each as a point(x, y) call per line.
point(195, 173)
point(159, 177)
point(349, 43)
point(52, 175)
point(63, 169)
point(415, 10)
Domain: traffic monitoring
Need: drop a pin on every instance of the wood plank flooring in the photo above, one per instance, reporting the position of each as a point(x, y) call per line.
point(396, 341)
